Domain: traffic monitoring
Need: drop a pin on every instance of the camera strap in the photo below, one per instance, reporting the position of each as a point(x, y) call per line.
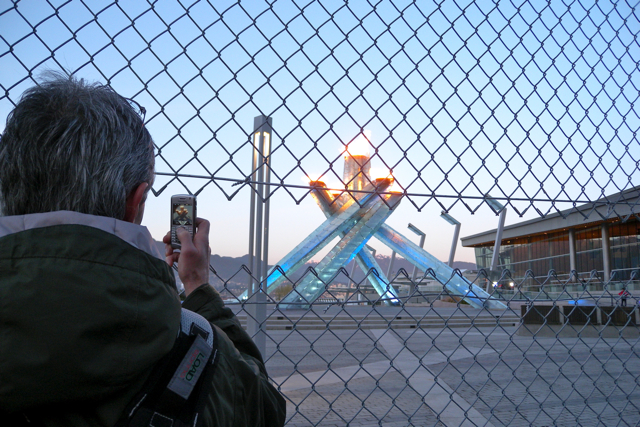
point(175, 392)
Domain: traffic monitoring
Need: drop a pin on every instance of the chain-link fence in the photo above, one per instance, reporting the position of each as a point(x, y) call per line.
point(531, 102)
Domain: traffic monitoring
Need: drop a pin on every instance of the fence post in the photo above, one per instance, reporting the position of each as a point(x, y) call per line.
point(259, 231)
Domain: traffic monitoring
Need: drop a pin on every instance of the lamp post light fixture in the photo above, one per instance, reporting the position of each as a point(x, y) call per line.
point(456, 233)
point(494, 203)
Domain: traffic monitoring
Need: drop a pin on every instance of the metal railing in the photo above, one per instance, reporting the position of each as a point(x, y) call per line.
point(531, 102)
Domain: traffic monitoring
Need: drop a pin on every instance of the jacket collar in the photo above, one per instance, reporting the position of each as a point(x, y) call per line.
point(136, 235)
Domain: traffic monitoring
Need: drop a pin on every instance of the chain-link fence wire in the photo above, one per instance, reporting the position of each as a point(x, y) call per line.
point(531, 102)
point(563, 353)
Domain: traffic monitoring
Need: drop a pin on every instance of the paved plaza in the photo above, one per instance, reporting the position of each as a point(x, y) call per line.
point(454, 376)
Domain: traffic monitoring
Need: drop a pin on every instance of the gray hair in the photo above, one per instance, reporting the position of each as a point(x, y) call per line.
point(71, 145)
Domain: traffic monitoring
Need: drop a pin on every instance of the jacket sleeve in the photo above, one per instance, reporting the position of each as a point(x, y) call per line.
point(241, 382)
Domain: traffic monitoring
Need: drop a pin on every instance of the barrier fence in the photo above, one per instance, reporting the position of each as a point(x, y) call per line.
point(453, 103)
point(557, 356)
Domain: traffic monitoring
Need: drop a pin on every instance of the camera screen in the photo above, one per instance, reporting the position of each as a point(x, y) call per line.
point(182, 214)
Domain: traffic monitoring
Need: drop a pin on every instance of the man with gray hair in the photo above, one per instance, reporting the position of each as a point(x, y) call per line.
point(88, 306)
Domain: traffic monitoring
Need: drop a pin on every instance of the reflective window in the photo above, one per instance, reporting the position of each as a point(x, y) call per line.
point(550, 251)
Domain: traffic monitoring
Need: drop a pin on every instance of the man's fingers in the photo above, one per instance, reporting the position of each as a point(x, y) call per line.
point(184, 236)
point(202, 236)
point(167, 238)
point(172, 258)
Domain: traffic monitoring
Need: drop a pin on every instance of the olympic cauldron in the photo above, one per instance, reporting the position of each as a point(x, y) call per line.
point(355, 215)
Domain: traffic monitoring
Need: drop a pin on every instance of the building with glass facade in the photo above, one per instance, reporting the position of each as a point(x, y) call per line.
point(591, 239)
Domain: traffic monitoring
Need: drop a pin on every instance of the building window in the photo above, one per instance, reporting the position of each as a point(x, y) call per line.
point(543, 252)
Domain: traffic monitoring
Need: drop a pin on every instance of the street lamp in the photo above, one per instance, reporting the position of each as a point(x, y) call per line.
point(496, 207)
point(451, 220)
point(415, 229)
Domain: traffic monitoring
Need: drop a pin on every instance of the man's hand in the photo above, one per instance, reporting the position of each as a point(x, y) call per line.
point(193, 258)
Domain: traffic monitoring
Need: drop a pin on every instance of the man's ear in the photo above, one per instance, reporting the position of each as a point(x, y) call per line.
point(135, 203)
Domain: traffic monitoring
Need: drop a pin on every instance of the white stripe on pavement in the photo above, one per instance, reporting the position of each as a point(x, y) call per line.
point(334, 376)
point(443, 401)
point(367, 370)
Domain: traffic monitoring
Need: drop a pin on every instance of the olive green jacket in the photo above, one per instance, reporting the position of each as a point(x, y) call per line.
point(87, 308)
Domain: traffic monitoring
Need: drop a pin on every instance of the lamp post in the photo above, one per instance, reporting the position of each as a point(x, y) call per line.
point(259, 230)
point(496, 207)
point(456, 233)
point(412, 286)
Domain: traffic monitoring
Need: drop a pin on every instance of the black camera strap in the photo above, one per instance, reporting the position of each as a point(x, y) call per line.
point(176, 391)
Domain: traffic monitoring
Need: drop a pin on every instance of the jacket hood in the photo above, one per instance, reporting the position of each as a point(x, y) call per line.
point(136, 235)
point(86, 308)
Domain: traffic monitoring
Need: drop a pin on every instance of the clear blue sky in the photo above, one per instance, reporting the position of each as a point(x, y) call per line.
point(536, 96)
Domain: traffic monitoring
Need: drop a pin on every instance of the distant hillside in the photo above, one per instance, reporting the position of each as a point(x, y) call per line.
point(229, 269)
point(399, 263)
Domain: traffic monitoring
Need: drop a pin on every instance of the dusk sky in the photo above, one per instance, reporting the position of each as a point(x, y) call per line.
point(461, 98)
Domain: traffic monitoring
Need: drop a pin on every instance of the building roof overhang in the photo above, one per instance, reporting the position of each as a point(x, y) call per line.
point(622, 205)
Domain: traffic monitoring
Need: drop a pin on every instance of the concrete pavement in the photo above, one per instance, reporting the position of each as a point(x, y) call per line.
point(472, 376)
